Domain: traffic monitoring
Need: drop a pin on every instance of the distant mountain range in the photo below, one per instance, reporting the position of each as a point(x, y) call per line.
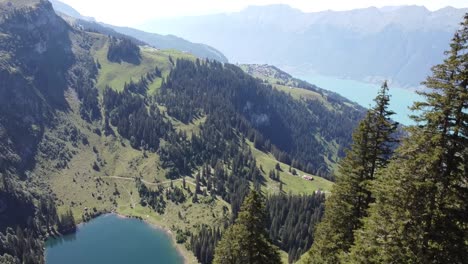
point(396, 43)
point(155, 40)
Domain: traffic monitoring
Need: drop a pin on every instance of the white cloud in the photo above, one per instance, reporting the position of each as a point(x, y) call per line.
point(134, 12)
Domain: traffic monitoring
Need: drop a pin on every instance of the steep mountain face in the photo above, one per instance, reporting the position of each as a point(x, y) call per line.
point(399, 44)
point(155, 40)
point(37, 65)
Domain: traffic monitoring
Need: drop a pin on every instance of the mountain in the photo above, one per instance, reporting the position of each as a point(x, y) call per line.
point(396, 43)
point(93, 123)
point(172, 42)
point(155, 40)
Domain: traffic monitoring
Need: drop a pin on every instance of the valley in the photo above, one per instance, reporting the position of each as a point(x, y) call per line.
point(145, 148)
point(112, 187)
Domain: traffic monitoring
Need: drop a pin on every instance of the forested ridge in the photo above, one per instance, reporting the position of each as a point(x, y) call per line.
point(123, 50)
point(273, 120)
point(293, 219)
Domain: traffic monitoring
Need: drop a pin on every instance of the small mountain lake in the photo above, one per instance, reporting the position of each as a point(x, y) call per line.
point(113, 239)
point(364, 93)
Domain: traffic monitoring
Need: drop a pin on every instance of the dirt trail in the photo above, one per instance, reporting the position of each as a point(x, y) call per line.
point(147, 182)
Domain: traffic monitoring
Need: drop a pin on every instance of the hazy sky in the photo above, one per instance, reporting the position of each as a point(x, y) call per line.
point(135, 12)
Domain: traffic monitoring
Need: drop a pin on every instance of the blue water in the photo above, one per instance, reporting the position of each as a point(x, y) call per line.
point(364, 93)
point(114, 240)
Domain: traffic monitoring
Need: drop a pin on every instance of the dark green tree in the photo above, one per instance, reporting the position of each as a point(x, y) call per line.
point(277, 167)
point(351, 196)
point(293, 219)
point(67, 222)
point(197, 183)
point(420, 214)
point(246, 241)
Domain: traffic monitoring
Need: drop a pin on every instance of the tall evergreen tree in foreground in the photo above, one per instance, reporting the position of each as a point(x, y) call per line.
point(421, 209)
point(372, 147)
point(246, 241)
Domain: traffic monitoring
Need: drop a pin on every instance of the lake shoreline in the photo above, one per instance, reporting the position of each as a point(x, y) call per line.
point(364, 94)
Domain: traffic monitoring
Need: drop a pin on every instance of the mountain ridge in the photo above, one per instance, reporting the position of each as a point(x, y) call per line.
point(364, 44)
point(153, 39)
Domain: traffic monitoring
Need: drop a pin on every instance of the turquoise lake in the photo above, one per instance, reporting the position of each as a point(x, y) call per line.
point(364, 93)
point(114, 240)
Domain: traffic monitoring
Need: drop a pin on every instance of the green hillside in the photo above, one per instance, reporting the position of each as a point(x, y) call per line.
point(291, 183)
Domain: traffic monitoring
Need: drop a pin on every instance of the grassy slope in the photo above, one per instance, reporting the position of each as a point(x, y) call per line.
point(291, 184)
point(117, 74)
point(193, 127)
point(285, 85)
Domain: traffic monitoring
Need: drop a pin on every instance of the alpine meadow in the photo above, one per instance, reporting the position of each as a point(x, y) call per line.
point(119, 145)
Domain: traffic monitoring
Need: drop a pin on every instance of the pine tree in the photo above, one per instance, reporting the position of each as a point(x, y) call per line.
point(420, 214)
point(351, 194)
point(246, 241)
point(197, 183)
point(277, 167)
point(195, 197)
